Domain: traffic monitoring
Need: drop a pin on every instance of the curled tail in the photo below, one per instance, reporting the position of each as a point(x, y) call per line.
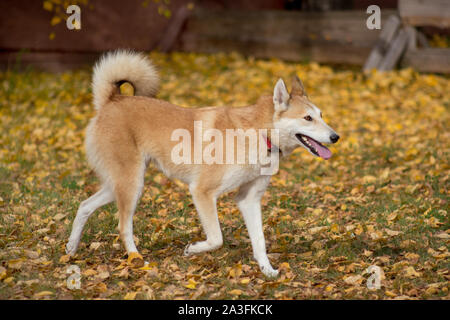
point(117, 67)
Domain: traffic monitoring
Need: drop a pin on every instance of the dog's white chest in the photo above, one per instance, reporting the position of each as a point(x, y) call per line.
point(235, 176)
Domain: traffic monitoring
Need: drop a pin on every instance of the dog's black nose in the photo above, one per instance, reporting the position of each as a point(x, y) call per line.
point(334, 138)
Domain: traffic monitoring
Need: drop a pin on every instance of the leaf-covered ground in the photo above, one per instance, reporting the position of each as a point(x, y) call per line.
point(382, 199)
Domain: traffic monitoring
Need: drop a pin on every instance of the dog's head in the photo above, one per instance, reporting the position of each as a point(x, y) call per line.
point(299, 121)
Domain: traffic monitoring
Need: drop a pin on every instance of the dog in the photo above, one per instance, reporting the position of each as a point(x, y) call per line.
point(129, 132)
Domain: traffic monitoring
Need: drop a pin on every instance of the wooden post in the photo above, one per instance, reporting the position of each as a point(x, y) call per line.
point(168, 40)
point(422, 40)
point(387, 34)
point(412, 38)
point(394, 52)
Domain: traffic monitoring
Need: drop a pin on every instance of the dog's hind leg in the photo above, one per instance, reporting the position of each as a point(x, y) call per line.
point(249, 202)
point(205, 203)
point(87, 207)
point(128, 188)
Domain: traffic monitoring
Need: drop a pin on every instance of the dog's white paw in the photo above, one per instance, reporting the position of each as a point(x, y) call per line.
point(269, 271)
point(201, 246)
point(186, 251)
point(71, 248)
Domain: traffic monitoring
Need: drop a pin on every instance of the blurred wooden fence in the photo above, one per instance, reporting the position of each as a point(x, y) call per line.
point(325, 37)
point(416, 13)
point(329, 37)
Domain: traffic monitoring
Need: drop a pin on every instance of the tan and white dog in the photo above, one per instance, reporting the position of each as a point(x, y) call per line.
point(130, 131)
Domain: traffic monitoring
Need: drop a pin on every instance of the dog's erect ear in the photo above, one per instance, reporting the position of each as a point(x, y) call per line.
point(280, 96)
point(297, 87)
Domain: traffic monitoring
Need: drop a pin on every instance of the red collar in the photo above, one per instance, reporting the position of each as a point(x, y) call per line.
point(269, 145)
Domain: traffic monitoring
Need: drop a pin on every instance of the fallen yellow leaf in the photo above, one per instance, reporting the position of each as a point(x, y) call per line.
point(235, 292)
point(64, 259)
point(43, 294)
point(192, 284)
point(130, 296)
point(135, 260)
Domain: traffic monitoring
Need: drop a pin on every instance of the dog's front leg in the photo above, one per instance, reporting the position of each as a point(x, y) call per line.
point(87, 207)
point(249, 202)
point(205, 203)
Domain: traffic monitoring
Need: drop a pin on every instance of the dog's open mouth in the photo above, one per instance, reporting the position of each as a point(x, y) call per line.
point(314, 146)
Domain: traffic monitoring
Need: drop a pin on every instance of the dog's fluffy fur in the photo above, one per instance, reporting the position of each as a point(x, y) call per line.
point(130, 131)
point(112, 68)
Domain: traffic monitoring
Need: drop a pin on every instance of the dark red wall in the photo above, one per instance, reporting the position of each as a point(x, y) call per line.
point(106, 24)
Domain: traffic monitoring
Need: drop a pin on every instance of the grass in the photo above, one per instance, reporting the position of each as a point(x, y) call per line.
point(381, 200)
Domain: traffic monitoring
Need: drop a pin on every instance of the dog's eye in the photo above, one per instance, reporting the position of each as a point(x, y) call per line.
point(308, 118)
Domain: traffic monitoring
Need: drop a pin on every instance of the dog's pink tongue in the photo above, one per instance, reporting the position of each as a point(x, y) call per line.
point(323, 151)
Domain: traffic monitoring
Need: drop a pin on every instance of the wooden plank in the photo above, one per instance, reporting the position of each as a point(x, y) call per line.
point(428, 60)
point(338, 27)
point(330, 53)
point(168, 40)
point(425, 13)
point(388, 32)
point(395, 51)
point(336, 37)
